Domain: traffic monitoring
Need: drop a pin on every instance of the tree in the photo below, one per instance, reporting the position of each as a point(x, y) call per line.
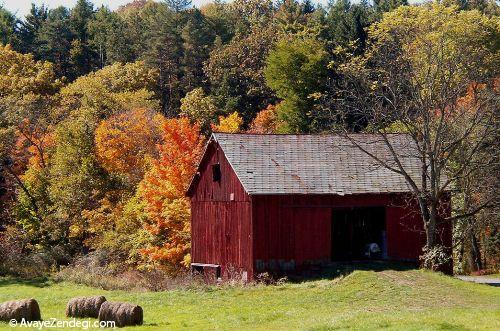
point(199, 108)
point(55, 39)
point(163, 50)
point(20, 75)
point(347, 23)
point(382, 6)
point(420, 62)
point(78, 181)
point(83, 57)
point(109, 36)
point(266, 121)
point(219, 16)
point(178, 5)
point(30, 28)
point(290, 16)
point(476, 235)
point(163, 190)
point(26, 99)
point(112, 89)
point(198, 38)
point(126, 142)
point(230, 124)
point(251, 15)
point(8, 26)
point(236, 73)
point(296, 71)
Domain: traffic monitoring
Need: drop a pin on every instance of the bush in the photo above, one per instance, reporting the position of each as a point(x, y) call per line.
point(16, 261)
point(93, 270)
point(435, 258)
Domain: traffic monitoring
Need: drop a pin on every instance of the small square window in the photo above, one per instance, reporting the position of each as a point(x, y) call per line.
point(216, 174)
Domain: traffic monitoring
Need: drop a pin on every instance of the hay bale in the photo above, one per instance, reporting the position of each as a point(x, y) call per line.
point(121, 313)
point(18, 310)
point(84, 306)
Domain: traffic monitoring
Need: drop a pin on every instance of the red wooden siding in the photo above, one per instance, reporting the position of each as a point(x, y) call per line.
point(221, 226)
point(297, 228)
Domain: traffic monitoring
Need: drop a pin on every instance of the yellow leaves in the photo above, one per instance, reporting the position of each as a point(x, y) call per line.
point(115, 88)
point(229, 124)
point(20, 74)
point(439, 44)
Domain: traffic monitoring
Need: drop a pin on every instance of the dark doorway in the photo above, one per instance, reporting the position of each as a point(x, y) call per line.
point(354, 229)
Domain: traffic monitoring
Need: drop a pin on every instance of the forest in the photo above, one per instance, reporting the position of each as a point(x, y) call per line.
point(104, 115)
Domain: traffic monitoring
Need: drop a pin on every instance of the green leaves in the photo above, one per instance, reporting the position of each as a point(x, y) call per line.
point(297, 71)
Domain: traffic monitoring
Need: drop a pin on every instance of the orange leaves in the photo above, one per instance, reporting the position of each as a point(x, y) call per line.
point(266, 121)
point(32, 145)
point(179, 152)
point(125, 141)
point(229, 124)
point(163, 190)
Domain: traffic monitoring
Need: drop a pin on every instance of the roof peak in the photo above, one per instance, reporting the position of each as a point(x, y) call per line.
point(307, 134)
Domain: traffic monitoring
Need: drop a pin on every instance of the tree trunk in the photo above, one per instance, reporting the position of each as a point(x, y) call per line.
point(475, 253)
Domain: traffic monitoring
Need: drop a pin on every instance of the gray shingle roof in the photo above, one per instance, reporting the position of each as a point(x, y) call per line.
point(317, 164)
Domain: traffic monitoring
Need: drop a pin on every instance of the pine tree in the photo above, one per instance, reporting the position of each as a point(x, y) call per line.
point(8, 23)
point(83, 57)
point(55, 39)
point(198, 38)
point(30, 29)
point(347, 23)
point(109, 37)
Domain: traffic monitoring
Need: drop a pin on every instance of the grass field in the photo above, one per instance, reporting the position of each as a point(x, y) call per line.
point(406, 300)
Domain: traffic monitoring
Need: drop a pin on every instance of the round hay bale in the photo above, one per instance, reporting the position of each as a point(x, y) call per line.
point(84, 306)
point(18, 310)
point(121, 313)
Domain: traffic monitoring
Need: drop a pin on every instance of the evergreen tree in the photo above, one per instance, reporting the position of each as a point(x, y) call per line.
point(163, 50)
point(83, 57)
point(55, 39)
point(30, 29)
point(109, 37)
point(8, 23)
point(382, 6)
point(347, 23)
point(198, 37)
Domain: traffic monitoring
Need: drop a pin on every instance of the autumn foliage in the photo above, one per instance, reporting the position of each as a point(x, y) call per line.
point(124, 142)
point(229, 124)
point(266, 121)
point(163, 190)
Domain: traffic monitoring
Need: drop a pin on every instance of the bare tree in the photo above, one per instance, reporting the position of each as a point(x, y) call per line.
point(426, 76)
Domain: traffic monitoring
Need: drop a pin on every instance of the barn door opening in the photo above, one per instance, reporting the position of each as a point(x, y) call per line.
point(358, 234)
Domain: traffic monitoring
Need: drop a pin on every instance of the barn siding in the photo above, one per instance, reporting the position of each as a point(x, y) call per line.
point(297, 228)
point(221, 226)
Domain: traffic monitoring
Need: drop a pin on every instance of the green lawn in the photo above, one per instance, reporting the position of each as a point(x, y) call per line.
point(409, 300)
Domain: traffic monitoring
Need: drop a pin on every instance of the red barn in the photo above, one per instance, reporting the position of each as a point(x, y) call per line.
point(282, 203)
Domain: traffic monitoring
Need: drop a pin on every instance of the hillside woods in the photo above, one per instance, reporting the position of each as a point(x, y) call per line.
point(104, 114)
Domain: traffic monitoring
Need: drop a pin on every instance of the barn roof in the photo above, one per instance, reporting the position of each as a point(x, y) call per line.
point(317, 164)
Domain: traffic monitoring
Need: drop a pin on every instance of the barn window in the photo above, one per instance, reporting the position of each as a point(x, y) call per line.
point(216, 174)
